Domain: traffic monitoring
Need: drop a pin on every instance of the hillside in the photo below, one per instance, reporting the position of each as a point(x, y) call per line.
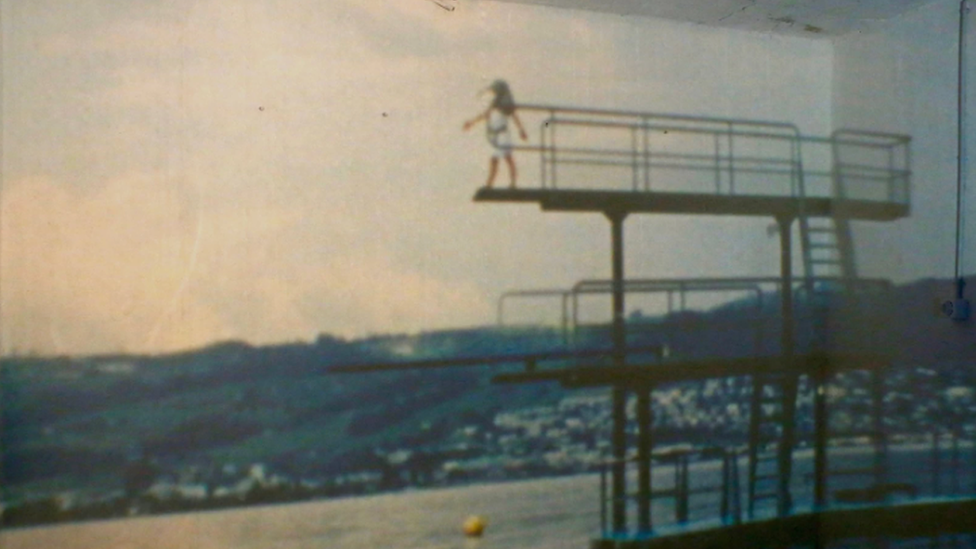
point(99, 427)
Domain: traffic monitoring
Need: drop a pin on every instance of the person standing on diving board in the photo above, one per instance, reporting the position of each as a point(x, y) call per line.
point(496, 116)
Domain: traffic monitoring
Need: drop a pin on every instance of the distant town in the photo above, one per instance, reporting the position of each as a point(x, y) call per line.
point(568, 437)
point(234, 424)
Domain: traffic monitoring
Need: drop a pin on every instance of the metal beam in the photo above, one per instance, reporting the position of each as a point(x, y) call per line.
point(674, 371)
point(645, 422)
point(562, 200)
point(488, 360)
point(790, 381)
point(619, 442)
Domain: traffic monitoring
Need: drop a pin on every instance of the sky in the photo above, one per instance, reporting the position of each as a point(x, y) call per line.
point(181, 172)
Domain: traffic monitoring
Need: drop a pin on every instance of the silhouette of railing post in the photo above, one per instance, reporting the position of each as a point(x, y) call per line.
point(731, 500)
point(879, 437)
point(821, 420)
point(603, 501)
point(954, 462)
point(679, 492)
point(936, 463)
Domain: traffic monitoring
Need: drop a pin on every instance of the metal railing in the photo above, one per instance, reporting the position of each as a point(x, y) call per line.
point(724, 486)
point(676, 292)
point(596, 149)
point(706, 490)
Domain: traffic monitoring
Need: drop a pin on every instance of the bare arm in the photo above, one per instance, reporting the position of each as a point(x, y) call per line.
point(518, 123)
point(475, 120)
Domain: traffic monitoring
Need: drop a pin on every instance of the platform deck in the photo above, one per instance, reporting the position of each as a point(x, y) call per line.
point(560, 200)
point(673, 371)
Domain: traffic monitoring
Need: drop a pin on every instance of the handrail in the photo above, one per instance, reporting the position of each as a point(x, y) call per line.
point(569, 298)
point(743, 155)
point(642, 114)
point(944, 480)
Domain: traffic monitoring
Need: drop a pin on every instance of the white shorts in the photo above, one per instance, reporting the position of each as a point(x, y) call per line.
point(502, 142)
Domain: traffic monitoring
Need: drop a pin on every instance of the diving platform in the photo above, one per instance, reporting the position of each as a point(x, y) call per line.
point(619, 163)
point(661, 372)
point(654, 202)
point(594, 160)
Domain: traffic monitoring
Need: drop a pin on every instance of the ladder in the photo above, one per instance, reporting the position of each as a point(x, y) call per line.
point(875, 474)
point(771, 420)
point(828, 248)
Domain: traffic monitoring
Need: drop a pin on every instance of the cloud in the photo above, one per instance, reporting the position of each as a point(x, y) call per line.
point(137, 266)
point(89, 270)
point(348, 293)
point(180, 172)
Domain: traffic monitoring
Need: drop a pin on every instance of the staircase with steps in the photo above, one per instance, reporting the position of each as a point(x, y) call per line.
point(828, 247)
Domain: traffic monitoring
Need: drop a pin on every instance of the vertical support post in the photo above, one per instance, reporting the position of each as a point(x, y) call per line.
point(619, 437)
point(731, 163)
point(734, 487)
point(575, 317)
point(955, 462)
point(718, 166)
point(681, 488)
point(543, 149)
point(726, 487)
point(552, 151)
point(755, 411)
point(821, 422)
point(565, 318)
point(790, 380)
point(647, 156)
point(634, 156)
point(603, 500)
point(644, 448)
point(880, 439)
point(891, 171)
point(731, 511)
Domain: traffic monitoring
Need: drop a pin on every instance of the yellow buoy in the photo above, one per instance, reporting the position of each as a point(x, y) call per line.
point(474, 526)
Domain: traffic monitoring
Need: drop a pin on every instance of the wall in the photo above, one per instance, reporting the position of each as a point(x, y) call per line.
point(902, 78)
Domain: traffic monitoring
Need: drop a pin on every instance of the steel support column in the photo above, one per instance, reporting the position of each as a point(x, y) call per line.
point(790, 380)
point(880, 438)
point(644, 449)
point(619, 437)
point(821, 422)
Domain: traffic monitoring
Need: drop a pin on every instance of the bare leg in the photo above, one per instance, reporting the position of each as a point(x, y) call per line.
point(511, 169)
point(492, 170)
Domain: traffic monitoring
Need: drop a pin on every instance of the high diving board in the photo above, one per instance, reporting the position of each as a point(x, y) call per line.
point(618, 163)
point(593, 160)
point(676, 371)
point(572, 200)
point(530, 360)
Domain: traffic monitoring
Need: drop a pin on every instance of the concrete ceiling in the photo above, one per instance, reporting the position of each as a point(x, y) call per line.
point(811, 18)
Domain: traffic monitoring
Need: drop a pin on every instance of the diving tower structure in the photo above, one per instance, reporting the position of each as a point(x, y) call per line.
point(622, 163)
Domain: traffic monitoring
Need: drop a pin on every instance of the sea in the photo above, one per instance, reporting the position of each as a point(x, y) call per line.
point(539, 514)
